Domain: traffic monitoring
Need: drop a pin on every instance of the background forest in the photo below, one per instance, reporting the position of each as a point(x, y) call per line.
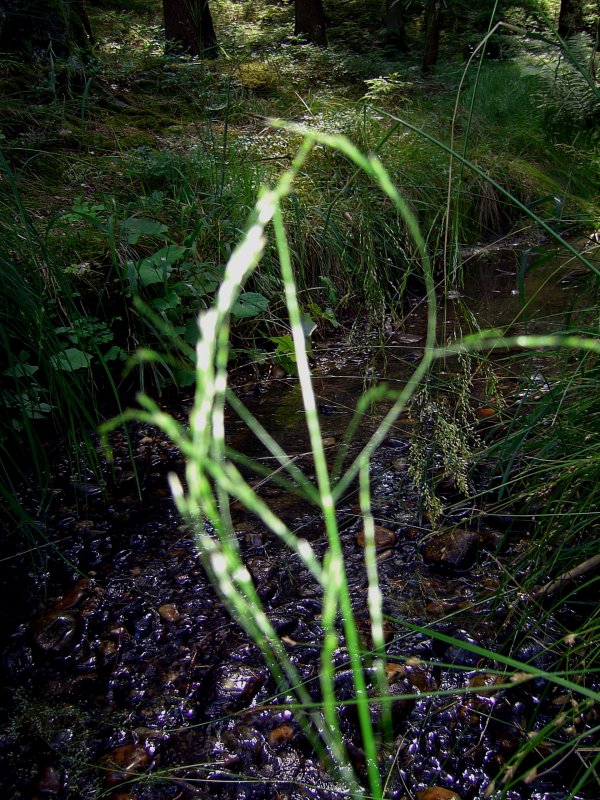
point(390, 145)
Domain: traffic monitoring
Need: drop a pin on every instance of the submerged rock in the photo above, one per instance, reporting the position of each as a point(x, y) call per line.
point(454, 549)
point(50, 782)
point(123, 763)
point(384, 537)
point(233, 686)
point(437, 793)
point(169, 612)
point(56, 632)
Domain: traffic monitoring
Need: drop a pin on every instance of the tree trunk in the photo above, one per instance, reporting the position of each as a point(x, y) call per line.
point(433, 16)
point(394, 23)
point(570, 18)
point(310, 21)
point(189, 24)
point(32, 26)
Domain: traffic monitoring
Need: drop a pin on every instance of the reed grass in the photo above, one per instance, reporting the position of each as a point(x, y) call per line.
point(213, 480)
point(322, 214)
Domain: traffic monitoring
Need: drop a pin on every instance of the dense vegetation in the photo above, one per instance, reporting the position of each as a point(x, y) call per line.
point(130, 173)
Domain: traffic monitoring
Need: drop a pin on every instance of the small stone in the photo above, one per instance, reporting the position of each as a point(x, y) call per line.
point(243, 739)
point(277, 372)
point(395, 671)
point(50, 782)
point(384, 538)
point(56, 632)
point(484, 412)
point(484, 679)
point(124, 763)
point(452, 549)
point(280, 736)
point(233, 687)
point(169, 613)
point(385, 555)
point(437, 793)
point(73, 596)
point(421, 678)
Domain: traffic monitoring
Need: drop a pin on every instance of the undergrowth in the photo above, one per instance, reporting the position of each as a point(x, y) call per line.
point(126, 187)
point(213, 480)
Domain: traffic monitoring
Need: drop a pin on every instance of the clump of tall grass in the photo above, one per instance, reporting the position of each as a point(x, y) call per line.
point(213, 478)
point(49, 351)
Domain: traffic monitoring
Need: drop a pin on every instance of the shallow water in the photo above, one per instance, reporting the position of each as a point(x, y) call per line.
point(125, 677)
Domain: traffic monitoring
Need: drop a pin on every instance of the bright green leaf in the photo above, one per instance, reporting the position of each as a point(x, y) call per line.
point(171, 300)
point(157, 267)
point(134, 227)
point(249, 304)
point(71, 359)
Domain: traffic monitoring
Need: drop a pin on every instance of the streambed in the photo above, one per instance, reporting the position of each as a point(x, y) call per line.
point(124, 677)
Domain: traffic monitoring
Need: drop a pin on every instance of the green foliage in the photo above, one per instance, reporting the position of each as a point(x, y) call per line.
point(213, 479)
point(208, 463)
point(167, 155)
point(568, 99)
point(48, 352)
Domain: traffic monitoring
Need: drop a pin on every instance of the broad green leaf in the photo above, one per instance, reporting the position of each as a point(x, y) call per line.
point(170, 300)
point(288, 363)
point(285, 344)
point(166, 255)
point(20, 371)
point(192, 332)
point(134, 227)
point(157, 267)
point(35, 410)
point(114, 353)
point(185, 377)
point(308, 323)
point(249, 304)
point(149, 274)
point(204, 283)
point(71, 359)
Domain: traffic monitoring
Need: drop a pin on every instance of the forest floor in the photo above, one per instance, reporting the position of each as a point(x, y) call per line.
point(128, 182)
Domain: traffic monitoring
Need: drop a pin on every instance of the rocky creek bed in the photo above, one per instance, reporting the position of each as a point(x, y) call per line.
point(124, 676)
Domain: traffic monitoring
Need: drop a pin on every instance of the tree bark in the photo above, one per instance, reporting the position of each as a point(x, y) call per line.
point(310, 21)
point(32, 26)
point(189, 24)
point(433, 16)
point(394, 23)
point(570, 18)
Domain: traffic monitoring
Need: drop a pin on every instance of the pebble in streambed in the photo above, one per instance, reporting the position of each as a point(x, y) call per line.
point(170, 684)
point(451, 550)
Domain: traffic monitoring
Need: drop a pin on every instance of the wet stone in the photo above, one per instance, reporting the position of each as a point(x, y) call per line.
point(233, 686)
point(421, 678)
point(263, 573)
point(283, 623)
point(123, 763)
point(384, 537)
point(169, 612)
point(451, 550)
point(73, 596)
point(437, 793)
point(56, 632)
point(280, 736)
point(50, 782)
point(243, 739)
point(455, 653)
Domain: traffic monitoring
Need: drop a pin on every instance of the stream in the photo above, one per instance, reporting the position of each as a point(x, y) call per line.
point(124, 676)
